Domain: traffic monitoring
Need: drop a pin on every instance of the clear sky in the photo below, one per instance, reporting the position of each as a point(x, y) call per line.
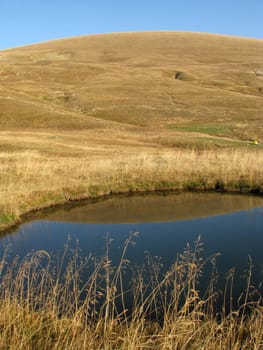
point(30, 21)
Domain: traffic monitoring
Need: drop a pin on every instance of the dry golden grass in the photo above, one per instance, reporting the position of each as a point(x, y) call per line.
point(88, 82)
point(40, 310)
point(32, 180)
point(93, 115)
point(90, 116)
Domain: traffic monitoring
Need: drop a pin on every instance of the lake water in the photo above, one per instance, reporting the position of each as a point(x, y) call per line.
point(231, 225)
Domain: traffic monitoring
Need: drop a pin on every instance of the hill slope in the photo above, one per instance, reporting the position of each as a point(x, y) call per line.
point(89, 116)
point(176, 82)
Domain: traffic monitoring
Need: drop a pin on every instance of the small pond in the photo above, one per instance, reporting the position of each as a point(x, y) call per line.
point(231, 225)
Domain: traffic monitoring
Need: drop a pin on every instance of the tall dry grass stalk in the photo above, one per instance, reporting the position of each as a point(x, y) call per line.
point(29, 180)
point(45, 306)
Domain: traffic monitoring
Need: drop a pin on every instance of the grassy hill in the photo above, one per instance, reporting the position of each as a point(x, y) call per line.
point(92, 115)
point(183, 86)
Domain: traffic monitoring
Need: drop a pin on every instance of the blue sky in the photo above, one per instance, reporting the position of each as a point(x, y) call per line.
point(29, 21)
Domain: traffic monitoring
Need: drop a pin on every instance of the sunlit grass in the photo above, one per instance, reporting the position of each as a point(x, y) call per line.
point(92, 123)
point(30, 180)
point(44, 305)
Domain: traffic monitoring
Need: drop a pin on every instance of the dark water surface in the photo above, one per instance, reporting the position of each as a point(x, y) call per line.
point(231, 225)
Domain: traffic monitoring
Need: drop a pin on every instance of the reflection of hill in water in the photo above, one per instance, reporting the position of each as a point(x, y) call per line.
point(153, 208)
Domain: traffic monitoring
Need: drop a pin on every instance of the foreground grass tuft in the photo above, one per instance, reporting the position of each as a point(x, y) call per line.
point(42, 306)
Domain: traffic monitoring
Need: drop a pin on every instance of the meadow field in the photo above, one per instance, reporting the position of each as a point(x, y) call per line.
point(90, 116)
point(31, 180)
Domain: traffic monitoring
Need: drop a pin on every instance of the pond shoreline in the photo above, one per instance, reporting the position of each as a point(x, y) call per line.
point(197, 319)
point(9, 226)
point(30, 181)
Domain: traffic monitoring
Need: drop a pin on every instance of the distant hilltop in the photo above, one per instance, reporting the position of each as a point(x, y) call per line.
point(197, 82)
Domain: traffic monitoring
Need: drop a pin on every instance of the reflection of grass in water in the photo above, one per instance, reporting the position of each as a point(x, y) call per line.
point(43, 307)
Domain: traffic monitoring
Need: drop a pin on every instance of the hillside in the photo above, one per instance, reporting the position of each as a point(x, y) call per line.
point(173, 81)
point(89, 117)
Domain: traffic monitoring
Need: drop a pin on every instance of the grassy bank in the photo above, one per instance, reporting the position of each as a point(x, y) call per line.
point(30, 180)
point(43, 307)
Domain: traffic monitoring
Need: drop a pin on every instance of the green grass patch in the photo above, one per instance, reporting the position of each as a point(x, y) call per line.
point(7, 218)
point(207, 128)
